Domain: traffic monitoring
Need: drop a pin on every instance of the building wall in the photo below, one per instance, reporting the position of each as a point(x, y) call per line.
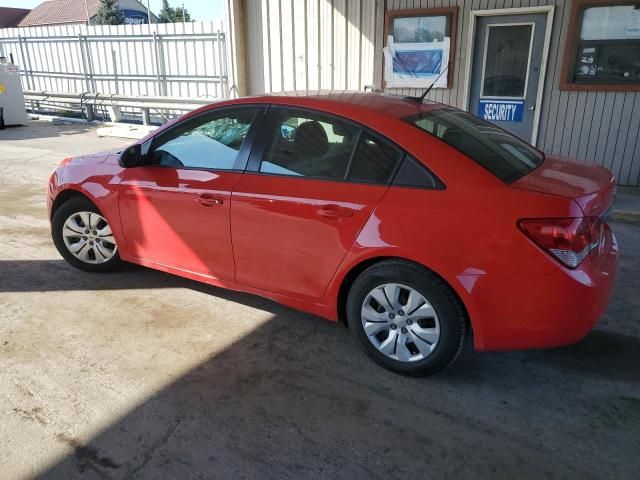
point(312, 44)
point(336, 44)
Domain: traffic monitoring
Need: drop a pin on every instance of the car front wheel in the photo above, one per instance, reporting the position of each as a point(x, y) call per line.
point(83, 236)
point(406, 318)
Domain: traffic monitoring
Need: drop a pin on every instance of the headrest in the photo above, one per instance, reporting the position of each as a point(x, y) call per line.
point(310, 139)
point(338, 129)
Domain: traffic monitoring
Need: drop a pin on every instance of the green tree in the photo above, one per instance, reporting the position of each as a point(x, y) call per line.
point(168, 14)
point(182, 15)
point(108, 14)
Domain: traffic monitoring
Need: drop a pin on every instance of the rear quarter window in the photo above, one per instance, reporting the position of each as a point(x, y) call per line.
point(374, 161)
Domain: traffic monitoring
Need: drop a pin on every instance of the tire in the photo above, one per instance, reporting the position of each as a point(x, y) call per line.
point(426, 338)
point(99, 250)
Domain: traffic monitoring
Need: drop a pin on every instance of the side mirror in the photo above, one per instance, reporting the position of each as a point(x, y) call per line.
point(131, 156)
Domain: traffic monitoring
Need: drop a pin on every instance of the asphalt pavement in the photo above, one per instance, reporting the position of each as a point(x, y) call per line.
point(139, 374)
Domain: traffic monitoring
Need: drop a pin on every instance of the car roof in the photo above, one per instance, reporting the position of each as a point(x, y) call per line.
point(387, 104)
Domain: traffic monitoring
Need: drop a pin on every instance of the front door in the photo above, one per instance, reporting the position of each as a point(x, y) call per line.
point(505, 76)
point(175, 209)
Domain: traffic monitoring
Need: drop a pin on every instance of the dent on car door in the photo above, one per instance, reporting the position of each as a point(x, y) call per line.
point(311, 184)
point(175, 207)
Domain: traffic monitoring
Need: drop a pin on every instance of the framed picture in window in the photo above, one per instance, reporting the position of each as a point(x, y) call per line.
point(419, 45)
point(603, 46)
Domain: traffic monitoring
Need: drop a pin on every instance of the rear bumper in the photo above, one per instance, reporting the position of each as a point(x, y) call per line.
point(555, 310)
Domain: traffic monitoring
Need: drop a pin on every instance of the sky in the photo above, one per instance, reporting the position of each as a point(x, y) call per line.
point(199, 9)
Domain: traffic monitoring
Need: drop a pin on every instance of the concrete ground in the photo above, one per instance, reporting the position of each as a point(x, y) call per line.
point(141, 374)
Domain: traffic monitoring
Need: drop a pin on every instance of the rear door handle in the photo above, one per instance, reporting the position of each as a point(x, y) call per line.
point(335, 212)
point(209, 200)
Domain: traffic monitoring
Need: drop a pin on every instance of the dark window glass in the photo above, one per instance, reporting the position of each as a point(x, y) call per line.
point(504, 155)
point(208, 142)
point(374, 160)
point(608, 45)
point(413, 174)
point(308, 144)
point(506, 60)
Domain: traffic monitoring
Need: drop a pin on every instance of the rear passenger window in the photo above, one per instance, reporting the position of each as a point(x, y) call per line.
point(307, 144)
point(374, 161)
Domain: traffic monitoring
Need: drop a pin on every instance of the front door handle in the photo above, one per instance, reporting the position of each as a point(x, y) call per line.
point(335, 212)
point(209, 200)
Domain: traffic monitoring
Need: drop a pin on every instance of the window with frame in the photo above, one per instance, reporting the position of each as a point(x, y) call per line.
point(504, 155)
point(210, 141)
point(603, 46)
point(310, 144)
point(421, 26)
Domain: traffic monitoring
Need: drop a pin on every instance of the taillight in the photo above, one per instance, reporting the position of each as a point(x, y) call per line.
point(569, 240)
point(66, 161)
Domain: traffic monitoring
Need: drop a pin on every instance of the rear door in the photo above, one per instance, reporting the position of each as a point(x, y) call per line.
point(311, 184)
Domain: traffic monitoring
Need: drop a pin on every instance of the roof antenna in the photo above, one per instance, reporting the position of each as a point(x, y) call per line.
point(421, 98)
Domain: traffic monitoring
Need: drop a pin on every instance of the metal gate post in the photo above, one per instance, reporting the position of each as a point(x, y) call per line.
point(161, 74)
point(26, 61)
point(94, 86)
point(84, 63)
point(224, 67)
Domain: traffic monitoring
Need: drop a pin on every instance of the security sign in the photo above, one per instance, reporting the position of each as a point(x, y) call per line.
point(501, 110)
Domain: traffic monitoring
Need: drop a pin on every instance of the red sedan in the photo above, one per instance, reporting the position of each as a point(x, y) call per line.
point(417, 224)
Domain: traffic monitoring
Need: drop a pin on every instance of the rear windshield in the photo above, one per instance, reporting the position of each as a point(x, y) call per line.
point(504, 155)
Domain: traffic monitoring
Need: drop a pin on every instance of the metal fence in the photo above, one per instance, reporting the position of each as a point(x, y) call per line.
point(188, 60)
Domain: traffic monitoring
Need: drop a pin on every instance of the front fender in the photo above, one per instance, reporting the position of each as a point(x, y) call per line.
point(100, 186)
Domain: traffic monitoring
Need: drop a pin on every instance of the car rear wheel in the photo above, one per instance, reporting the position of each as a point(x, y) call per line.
point(83, 236)
point(406, 318)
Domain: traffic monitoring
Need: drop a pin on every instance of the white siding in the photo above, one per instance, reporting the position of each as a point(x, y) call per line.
point(309, 44)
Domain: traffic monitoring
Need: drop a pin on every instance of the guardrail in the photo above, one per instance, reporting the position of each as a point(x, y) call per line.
point(88, 102)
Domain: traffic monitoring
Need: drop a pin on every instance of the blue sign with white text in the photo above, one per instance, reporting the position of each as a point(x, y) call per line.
point(501, 110)
point(134, 17)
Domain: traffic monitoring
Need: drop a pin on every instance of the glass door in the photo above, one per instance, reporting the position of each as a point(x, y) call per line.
point(506, 71)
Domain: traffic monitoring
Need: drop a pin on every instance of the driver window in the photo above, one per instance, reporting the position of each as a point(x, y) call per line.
point(208, 142)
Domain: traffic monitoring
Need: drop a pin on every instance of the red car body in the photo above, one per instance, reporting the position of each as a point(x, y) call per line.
point(300, 242)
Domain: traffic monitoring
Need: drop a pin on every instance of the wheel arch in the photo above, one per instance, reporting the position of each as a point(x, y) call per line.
point(357, 269)
point(66, 195)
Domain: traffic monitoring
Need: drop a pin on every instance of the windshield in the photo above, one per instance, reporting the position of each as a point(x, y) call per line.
point(504, 155)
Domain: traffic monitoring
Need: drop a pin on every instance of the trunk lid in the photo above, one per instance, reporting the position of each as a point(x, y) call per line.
point(591, 186)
